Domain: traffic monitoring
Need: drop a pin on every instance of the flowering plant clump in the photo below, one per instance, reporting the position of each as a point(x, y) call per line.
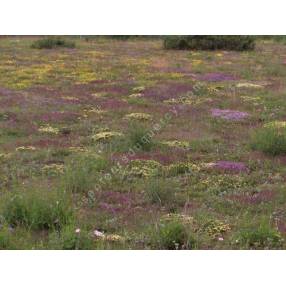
point(177, 144)
point(216, 228)
point(144, 168)
point(178, 169)
point(48, 129)
point(139, 89)
point(78, 149)
point(275, 124)
point(229, 114)
point(222, 183)
point(228, 166)
point(26, 148)
point(179, 217)
point(108, 237)
point(255, 100)
point(53, 169)
point(135, 95)
point(248, 85)
point(106, 135)
point(139, 116)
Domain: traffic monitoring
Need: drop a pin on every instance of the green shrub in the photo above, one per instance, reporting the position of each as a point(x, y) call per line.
point(173, 235)
point(270, 140)
point(52, 42)
point(238, 43)
point(11, 238)
point(161, 191)
point(260, 238)
point(36, 209)
point(69, 239)
point(81, 173)
point(139, 138)
point(5, 238)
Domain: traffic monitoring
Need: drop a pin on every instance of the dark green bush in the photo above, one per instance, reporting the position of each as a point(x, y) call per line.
point(138, 137)
point(69, 239)
point(161, 191)
point(52, 42)
point(262, 237)
point(270, 139)
point(173, 235)
point(36, 209)
point(238, 43)
point(81, 173)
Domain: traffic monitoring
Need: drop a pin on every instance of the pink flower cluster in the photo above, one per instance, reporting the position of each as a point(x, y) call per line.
point(231, 166)
point(229, 114)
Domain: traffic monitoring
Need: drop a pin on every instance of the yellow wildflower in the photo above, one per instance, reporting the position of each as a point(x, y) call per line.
point(176, 143)
point(101, 136)
point(26, 148)
point(48, 129)
point(248, 85)
point(139, 116)
point(276, 124)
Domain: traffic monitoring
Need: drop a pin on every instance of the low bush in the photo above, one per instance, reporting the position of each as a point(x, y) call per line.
point(173, 235)
point(161, 191)
point(36, 209)
point(139, 138)
point(70, 239)
point(271, 139)
point(238, 43)
point(81, 173)
point(52, 42)
point(262, 237)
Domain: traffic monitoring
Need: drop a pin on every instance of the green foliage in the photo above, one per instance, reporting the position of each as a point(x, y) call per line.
point(36, 209)
point(262, 237)
point(52, 42)
point(139, 138)
point(238, 43)
point(173, 235)
point(69, 239)
point(178, 169)
point(5, 238)
point(270, 140)
point(161, 191)
point(11, 238)
point(81, 173)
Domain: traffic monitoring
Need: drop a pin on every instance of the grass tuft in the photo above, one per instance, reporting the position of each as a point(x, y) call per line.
point(270, 140)
point(36, 209)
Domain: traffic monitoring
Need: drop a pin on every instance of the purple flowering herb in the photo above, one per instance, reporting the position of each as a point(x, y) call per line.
point(229, 114)
point(256, 198)
point(215, 77)
point(167, 91)
point(231, 166)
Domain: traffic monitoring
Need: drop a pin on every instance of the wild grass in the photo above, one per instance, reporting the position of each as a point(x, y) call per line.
point(36, 209)
point(69, 238)
point(161, 191)
point(262, 237)
point(82, 172)
point(173, 235)
point(138, 137)
point(270, 140)
point(52, 42)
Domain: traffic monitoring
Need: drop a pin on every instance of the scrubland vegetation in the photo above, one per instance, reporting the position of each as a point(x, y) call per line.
point(142, 143)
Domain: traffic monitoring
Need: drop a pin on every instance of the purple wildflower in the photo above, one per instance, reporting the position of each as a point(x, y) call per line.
point(215, 77)
point(229, 114)
point(167, 91)
point(56, 116)
point(256, 198)
point(231, 166)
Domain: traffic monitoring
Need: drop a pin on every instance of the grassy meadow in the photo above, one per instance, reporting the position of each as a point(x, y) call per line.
point(121, 144)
